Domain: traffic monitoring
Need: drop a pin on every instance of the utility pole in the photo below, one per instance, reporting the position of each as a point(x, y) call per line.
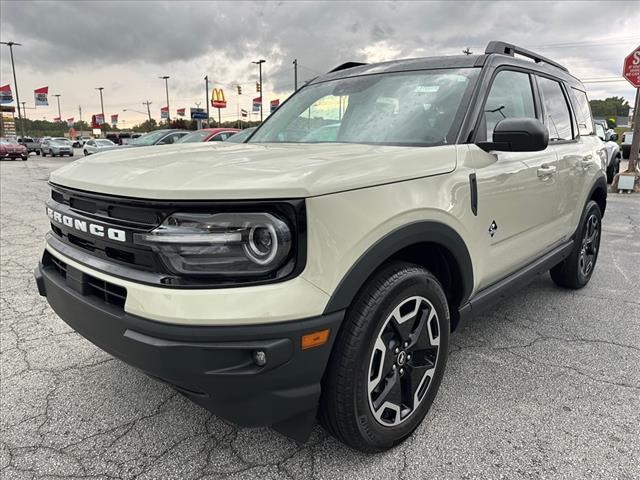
point(635, 140)
point(259, 63)
point(295, 74)
point(57, 95)
point(15, 81)
point(166, 86)
point(101, 105)
point(206, 97)
point(80, 116)
point(148, 103)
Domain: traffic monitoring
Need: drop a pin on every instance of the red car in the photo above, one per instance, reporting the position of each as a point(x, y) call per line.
point(209, 135)
point(10, 148)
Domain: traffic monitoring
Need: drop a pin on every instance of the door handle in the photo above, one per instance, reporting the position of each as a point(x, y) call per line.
point(546, 171)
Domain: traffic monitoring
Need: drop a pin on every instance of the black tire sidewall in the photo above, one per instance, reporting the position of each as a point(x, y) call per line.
point(592, 208)
point(413, 284)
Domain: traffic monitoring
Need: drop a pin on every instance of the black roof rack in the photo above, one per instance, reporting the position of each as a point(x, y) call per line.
point(504, 48)
point(344, 66)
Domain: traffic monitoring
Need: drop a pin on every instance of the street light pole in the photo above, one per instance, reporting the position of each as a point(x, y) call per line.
point(57, 95)
point(206, 98)
point(259, 63)
point(101, 105)
point(166, 86)
point(15, 81)
point(148, 103)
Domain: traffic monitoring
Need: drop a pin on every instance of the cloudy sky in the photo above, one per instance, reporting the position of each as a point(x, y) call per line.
point(75, 46)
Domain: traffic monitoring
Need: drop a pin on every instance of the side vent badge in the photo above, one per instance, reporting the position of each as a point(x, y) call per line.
point(492, 228)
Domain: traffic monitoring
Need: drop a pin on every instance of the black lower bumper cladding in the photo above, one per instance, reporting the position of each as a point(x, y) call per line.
point(254, 375)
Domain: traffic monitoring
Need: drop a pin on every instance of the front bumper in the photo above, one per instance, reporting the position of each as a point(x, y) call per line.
point(215, 366)
point(13, 155)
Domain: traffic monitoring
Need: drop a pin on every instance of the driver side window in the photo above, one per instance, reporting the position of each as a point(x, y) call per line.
point(510, 96)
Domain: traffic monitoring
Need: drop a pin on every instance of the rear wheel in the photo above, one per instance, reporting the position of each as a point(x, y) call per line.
point(388, 360)
point(576, 270)
point(613, 169)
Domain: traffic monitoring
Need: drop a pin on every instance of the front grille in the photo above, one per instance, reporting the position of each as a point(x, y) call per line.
point(87, 285)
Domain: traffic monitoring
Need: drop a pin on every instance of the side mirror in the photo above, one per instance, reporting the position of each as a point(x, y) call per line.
point(518, 135)
point(613, 137)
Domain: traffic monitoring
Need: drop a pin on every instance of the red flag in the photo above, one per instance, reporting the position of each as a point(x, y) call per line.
point(181, 112)
point(164, 112)
point(56, 119)
point(274, 104)
point(40, 95)
point(5, 94)
point(70, 122)
point(114, 119)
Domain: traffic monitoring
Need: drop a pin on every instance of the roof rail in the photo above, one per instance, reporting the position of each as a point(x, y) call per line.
point(344, 66)
point(504, 48)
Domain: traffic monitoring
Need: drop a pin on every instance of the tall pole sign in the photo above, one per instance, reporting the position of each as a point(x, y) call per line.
point(631, 71)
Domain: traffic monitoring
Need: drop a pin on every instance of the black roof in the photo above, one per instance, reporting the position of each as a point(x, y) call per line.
point(497, 53)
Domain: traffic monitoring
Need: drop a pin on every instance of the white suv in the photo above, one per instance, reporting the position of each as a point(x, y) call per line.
point(321, 265)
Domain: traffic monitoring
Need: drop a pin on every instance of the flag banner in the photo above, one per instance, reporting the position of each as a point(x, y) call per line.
point(244, 113)
point(181, 112)
point(70, 122)
point(114, 119)
point(57, 119)
point(40, 95)
point(5, 94)
point(164, 112)
point(257, 104)
point(99, 118)
point(274, 104)
point(217, 98)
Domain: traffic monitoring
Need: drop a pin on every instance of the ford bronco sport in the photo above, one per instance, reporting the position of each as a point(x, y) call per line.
point(288, 277)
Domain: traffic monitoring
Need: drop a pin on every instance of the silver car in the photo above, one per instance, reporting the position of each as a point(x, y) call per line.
point(98, 145)
point(56, 146)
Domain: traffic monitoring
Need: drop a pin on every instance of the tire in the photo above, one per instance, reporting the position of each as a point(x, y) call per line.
point(37, 152)
point(370, 356)
point(575, 271)
point(86, 153)
point(24, 159)
point(613, 169)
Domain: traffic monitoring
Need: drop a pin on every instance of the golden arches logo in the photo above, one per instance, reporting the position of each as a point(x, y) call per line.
point(217, 98)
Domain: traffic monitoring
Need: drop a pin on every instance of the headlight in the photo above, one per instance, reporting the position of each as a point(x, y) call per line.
point(227, 244)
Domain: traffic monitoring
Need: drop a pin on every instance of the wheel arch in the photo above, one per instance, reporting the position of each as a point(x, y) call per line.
point(598, 194)
point(434, 245)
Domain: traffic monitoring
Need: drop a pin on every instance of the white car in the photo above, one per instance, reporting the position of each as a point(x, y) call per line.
point(98, 145)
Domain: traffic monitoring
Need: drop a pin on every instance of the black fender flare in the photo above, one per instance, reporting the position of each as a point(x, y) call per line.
point(391, 244)
point(599, 185)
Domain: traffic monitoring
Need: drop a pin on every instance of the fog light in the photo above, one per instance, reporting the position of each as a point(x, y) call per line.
point(260, 358)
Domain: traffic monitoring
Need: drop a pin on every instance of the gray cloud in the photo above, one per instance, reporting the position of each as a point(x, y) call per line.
point(219, 38)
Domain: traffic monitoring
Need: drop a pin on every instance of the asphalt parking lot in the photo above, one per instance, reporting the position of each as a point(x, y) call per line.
point(547, 385)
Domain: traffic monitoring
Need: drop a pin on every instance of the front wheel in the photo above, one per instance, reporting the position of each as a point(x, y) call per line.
point(388, 360)
point(86, 153)
point(575, 271)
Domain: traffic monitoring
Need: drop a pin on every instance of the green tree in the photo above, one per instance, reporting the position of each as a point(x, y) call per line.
point(610, 107)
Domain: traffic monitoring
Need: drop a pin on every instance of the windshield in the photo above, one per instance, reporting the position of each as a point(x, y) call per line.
point(8, 141)
point(408, 108)
point(194, 137)
point(149, 138)
point(60, 140)
point(105, 143)
point(57, 141)
point(241, 136)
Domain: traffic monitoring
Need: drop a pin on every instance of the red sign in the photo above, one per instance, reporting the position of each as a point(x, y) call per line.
point(164, 112)
point(217, 99)
point(631, 70)
point(181, 112)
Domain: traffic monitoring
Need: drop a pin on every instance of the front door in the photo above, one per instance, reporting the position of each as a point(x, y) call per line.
point(517, 191)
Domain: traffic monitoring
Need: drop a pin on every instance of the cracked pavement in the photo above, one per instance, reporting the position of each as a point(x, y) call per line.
point(546, 385)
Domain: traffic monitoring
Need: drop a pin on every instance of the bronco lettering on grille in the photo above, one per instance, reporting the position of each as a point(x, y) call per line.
point(87, 227)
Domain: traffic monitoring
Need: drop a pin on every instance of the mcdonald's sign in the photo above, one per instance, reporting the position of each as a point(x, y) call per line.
point(217, 98)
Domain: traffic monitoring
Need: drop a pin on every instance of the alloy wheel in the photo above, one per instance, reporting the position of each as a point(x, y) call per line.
point(403, 361)
point(590, 243)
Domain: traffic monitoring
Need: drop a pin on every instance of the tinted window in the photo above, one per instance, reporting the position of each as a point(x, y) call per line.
point(558, 118)
point(583, 112)
point(510, 96)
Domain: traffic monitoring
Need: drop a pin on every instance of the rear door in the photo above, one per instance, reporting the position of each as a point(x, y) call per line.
point(517, 191)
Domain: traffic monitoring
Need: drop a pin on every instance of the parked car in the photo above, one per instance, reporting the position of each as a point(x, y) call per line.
point(157, 137)
point(98, 145)
point(56, 147)
point(32, 144)
point(275, 282)
point(81, 141)
point(609, 137)
point(10, 148)
point(209, 135)
point(627, 138)
point(242, 135)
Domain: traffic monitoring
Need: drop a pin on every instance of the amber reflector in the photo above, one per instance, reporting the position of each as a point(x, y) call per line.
point(315, 339)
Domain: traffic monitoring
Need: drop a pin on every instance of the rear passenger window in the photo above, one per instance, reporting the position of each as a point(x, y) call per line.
point(583, 112)
point(510, 97)
point(558, 118)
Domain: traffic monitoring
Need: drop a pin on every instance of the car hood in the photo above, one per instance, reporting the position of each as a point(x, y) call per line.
point(244, 171)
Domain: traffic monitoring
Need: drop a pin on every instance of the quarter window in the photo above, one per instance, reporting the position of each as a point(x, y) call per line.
point(558, 118)
point(510, 96)
point(583, 112)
